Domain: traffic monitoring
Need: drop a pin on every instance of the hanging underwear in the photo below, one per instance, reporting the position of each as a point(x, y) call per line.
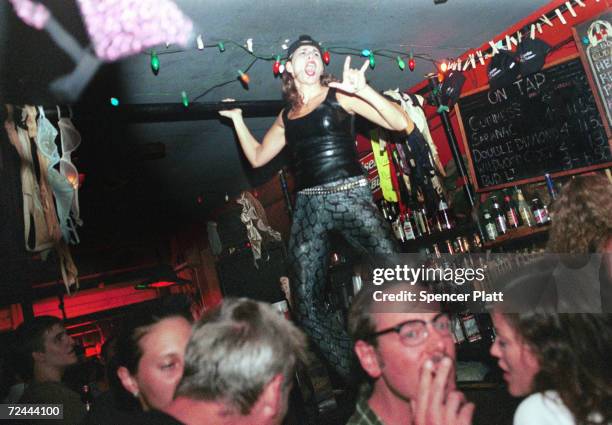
point(70, 139)
point(62, 189)
point(37, 235)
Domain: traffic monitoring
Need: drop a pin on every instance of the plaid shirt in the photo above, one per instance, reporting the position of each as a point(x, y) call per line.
point(363, 414)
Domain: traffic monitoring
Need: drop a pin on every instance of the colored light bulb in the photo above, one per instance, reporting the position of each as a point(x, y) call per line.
point(326, 57)
point(244, 77)
point(366, 53)
point(184, 98)
point(585, 40)
point(443, 67)
point(154, 62)
point(221, 46)
point(276, 66)
point(411, 62)
point(372, 61)
point(401, 63)
point(114, 101)
point(440, 77)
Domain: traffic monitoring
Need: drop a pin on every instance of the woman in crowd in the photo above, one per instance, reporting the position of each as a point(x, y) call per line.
point(582, 216)
point(317, 126)
point(581, 227)
point(561, 362)
point(148, 363)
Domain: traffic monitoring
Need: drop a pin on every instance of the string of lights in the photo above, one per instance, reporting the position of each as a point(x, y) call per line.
point(401, 57)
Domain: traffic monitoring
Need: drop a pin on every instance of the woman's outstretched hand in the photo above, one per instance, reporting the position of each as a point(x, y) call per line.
point(353, 80)
point(231, 113)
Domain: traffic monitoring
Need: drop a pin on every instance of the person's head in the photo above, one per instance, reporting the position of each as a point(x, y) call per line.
point(568, 353)
point(150, 352)
point(582, 218)
point(393, 347)
point(243, 355)
point(304, 67)
point(45, 347)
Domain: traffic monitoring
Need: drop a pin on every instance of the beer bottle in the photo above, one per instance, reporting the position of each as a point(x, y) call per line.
point(539, 212)
point(500, 217)
point(523, 209)
point(444, 215)
point(490, 228)
point(87, 397)
point(512, 215)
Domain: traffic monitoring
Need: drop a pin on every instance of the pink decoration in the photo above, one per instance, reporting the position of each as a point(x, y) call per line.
point(33, 14)
point(120, 28)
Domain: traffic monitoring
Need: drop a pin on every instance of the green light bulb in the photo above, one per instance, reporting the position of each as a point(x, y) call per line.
point(401, 63)
point(372, 61)
point(221, 46)
point(114, 101)
point(184, 99)
point(154, 62)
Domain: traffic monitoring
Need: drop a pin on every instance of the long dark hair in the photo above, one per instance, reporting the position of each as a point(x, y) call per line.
point(290, 92)
point(573, 351)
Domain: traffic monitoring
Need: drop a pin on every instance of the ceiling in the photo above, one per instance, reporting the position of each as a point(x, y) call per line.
point(123, 190)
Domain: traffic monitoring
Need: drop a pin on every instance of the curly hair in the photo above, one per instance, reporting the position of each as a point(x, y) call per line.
point(582, 216)
point(290, 92)
point(573, 352)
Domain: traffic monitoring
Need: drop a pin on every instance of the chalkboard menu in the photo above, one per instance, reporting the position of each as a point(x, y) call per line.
point(594, 41)
point(546, 122)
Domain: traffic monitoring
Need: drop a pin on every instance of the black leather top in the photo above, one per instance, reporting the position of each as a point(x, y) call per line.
point(322, 144)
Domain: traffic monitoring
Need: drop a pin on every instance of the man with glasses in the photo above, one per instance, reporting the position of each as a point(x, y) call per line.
point(408, 351)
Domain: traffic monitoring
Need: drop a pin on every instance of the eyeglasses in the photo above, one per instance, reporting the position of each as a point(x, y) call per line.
point(414, 332)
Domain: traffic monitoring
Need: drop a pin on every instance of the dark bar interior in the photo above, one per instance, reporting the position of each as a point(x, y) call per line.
point(403, 217)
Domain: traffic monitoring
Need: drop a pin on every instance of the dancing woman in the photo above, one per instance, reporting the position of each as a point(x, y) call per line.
point(317, 126)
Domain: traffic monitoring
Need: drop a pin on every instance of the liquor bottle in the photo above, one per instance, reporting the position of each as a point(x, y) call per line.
point(444, 215)
point(398, 230)
point(523, 209)
point(449, 247)
point(407, 226)
point(421, 219)
point(87, 397)
point(383, 209)
point(411, 216)
point(540, 213)
point(489, 225)
point(512, 215)
point(499, 217)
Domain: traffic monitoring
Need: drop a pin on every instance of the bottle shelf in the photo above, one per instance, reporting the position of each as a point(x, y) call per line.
point(516, 234)
point(413, 245)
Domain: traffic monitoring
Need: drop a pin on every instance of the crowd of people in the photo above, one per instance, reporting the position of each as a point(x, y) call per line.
point(237, 364)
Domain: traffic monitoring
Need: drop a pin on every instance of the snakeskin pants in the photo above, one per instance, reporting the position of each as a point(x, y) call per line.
point(353, 214)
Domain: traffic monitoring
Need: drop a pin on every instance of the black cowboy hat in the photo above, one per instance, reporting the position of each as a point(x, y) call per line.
point(304, 40)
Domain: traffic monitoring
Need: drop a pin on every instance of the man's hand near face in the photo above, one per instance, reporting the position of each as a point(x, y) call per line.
point(438, 402)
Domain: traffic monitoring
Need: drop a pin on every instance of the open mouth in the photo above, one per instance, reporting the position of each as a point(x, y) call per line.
point(310, 69)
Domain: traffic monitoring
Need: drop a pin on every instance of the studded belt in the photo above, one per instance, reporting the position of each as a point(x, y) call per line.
point(327, 190)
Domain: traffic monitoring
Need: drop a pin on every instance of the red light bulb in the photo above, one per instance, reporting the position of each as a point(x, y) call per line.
point(276, 66)
point(411, 64)
point(326, 57)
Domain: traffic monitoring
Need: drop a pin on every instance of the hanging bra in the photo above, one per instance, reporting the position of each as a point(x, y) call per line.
point(70, 141)
point(63, 190)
